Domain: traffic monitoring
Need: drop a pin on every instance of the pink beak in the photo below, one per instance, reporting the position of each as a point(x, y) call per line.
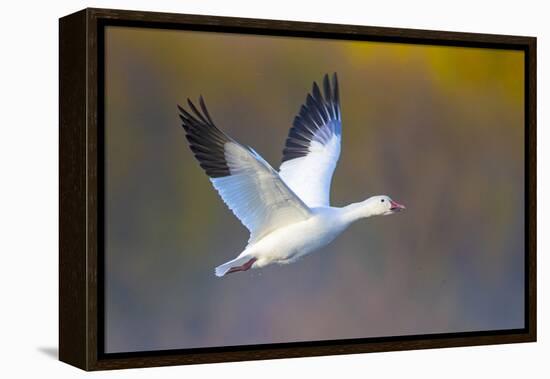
point(396, 206)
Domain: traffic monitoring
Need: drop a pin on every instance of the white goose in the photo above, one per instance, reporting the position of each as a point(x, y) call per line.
point(288, 213)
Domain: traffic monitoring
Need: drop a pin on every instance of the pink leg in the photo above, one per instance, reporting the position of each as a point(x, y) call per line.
point(243, 267)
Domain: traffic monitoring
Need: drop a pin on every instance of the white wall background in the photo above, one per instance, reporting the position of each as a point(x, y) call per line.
point(28, 198)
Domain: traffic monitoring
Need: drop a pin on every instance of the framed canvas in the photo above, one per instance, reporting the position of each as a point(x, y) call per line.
point(223, 182)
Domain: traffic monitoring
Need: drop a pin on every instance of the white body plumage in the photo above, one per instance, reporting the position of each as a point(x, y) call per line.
point(287, 244)
point(291, 242)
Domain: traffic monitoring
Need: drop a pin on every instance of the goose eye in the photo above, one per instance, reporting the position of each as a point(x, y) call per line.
point(382, 200)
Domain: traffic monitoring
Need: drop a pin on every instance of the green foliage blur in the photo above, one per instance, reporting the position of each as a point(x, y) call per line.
point(439, 129)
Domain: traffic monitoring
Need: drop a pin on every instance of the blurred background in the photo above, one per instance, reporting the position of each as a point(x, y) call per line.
point(439, 129)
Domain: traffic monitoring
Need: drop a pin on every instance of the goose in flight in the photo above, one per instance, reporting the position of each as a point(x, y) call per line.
point(288, 213)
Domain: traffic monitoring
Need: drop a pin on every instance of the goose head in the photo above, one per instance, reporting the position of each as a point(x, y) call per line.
point(383, 205)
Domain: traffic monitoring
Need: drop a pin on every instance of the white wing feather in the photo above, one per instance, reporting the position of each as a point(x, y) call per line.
point(248, 185)
point(313, 146)
point(256, 194)
point(310, 176)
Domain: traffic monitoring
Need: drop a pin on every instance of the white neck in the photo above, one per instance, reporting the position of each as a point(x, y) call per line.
point(356, 211)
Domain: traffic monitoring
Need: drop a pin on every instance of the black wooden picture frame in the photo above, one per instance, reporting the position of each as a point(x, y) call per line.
point(81, 74)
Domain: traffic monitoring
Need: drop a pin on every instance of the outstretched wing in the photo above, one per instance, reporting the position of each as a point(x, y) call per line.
point(248, 185)
point(312, 148)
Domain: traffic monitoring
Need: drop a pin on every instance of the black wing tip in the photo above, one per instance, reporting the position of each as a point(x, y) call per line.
point(191, 104)
point(194, 116)
point(184, 117)
point(319, 108)
point(330, 88)
point(331, 79)
point(324, 104)
point(205, 140)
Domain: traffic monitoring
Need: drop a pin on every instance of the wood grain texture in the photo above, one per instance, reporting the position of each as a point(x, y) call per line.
point(338, 31)
point(311, 351)
point(81, 187)
point(95, 191)
point(72, 189)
